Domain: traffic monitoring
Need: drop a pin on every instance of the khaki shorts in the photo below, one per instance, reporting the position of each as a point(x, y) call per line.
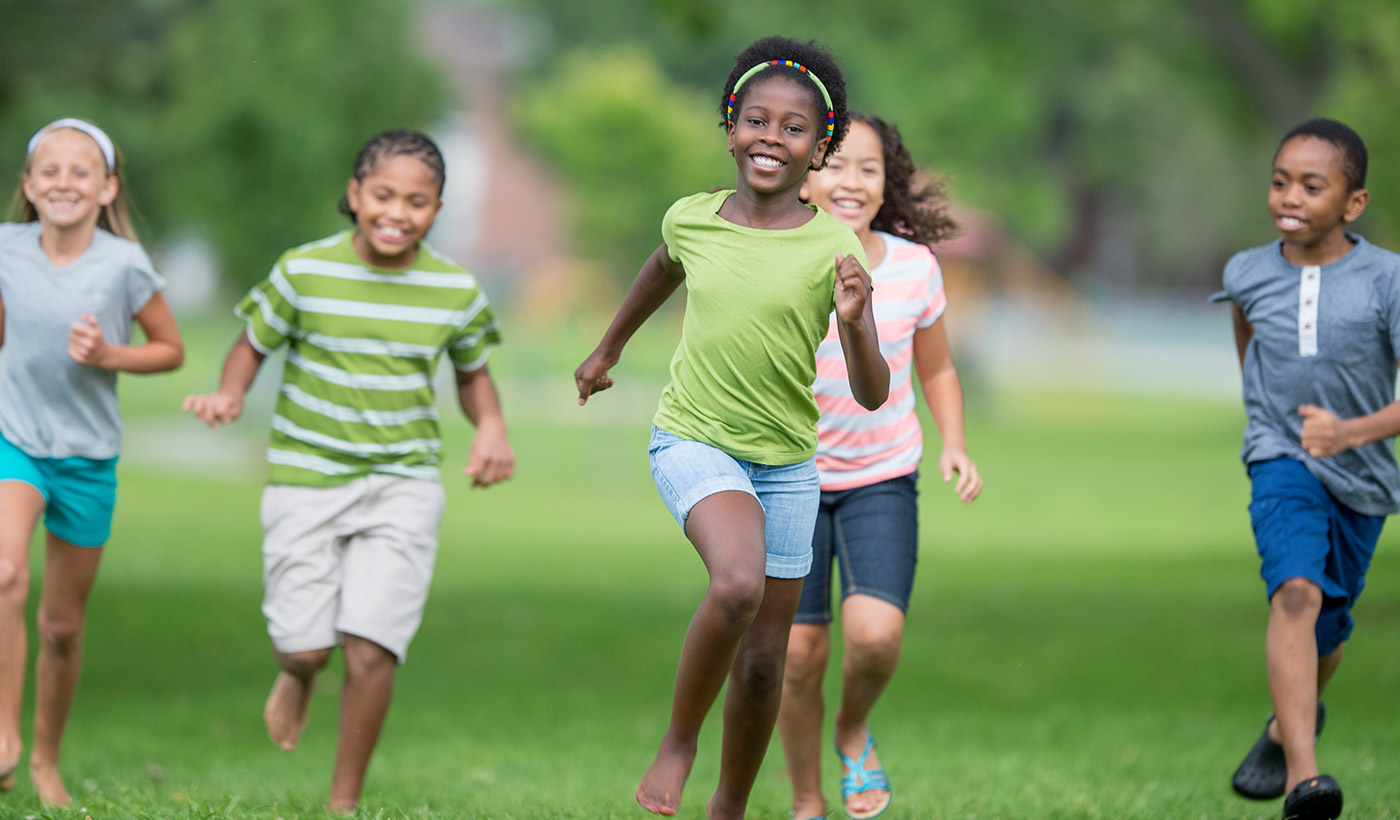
point(356, 559)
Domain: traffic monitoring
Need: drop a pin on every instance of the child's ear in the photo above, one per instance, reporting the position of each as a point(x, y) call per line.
point(110, 189)
point(352, 194)
point(729, 134)
point(1356, 203)
point(820, 153)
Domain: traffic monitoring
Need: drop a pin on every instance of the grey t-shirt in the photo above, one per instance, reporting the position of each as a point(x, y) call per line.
point(51, 406)
point(1327, 336)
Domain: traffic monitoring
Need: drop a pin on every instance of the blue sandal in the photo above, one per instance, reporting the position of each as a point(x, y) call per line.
point(860, 779)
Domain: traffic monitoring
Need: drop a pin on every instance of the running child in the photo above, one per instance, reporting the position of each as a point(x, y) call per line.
point(1317, 327)
point(733, 440)
point(868, 463)
point(72, 280)
point(353, 502)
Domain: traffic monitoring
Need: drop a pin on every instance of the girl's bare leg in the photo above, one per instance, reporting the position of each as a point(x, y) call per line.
point(755, 690)
point(800, 716)
point(369, 683)
point(20, 506)
point(872, 630)
point(727, 531)
point(69, 572)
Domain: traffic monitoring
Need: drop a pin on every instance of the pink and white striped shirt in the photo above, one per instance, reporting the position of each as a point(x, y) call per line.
point(857, 447)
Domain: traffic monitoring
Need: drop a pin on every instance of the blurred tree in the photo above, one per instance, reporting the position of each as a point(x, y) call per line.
point(1127, 142)
point(629, 141)
point(238, 118)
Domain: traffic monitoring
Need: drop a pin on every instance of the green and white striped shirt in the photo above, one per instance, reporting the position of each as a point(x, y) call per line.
point(357, 392)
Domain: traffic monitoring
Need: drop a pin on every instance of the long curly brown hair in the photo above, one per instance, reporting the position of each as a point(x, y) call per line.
point(914, 210)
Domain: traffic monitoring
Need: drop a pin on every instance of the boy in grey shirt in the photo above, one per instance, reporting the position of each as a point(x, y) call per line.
point(1317, 326)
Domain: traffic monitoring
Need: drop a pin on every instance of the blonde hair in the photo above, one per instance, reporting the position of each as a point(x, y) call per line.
point(114, 218)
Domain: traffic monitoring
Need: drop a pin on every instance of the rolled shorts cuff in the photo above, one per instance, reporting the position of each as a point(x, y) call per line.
point(788, 566)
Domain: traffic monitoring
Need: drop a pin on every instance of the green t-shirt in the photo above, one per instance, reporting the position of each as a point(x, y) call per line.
point(357, 391)
point(758, 302)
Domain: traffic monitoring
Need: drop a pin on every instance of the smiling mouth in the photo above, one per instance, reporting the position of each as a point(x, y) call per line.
point(1290, 223)
point(767, 162)
point(848, 204)
point(390, 234)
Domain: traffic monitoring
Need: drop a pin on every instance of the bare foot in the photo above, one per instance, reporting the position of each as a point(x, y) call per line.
point(48, 784)
point(660, 789)
point(808, 808)
point(341, 807)
point(286, 709)
point(715, 811)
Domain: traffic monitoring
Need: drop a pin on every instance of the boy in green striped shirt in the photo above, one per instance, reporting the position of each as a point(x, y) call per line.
point(354, 500)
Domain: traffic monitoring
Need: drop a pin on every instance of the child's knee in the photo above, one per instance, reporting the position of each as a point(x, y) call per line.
point(738, 595)
point(807, 655)
point(304, 664)
point(363, 656)
point(760, 673)
point(14, 578)
point(60, 633)
point(1296, 597)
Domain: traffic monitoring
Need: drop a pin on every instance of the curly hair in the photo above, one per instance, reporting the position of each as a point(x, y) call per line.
point(810, 54)
point(912, 209)
point(392, 144)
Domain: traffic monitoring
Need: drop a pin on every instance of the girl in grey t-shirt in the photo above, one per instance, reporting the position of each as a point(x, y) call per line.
point(72, 280)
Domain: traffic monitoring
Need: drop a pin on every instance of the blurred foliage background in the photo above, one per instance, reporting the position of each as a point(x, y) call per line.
point(1126, 144)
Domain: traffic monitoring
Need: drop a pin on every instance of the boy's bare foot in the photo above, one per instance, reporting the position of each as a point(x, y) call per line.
point(715, 810)
point(48, 784)
point(287, 707)
point(341, 807)
point(660, 789)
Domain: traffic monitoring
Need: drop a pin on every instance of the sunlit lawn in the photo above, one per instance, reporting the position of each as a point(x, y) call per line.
point(1085, 641)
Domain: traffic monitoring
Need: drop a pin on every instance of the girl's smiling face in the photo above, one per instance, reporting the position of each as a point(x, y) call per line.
point(394, 205)
point(852, 185)
point(776, 135)
point(67, 181)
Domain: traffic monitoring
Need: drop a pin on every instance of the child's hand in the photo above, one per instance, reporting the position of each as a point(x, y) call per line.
point(592, 376)
point(1324, 434)
point(85, 342)
point(214, 408)
point(853, 288)
point(491, 459)
point(969, 484)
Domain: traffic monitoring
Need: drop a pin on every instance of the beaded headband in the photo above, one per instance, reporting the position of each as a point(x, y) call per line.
point(748, 75)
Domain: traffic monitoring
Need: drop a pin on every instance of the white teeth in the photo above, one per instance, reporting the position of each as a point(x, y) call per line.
point(392, 233)
point(1290, 221)
point(849, 204)
point(767, 162)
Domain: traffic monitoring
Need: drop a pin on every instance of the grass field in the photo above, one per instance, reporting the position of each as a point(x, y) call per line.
point(1086, 641)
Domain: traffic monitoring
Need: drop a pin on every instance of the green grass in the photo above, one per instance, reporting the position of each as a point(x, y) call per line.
point(1086, 641)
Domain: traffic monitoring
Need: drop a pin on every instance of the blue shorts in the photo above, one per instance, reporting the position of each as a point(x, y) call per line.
point(687, 471)
point(872, 532)
point(1301, 531)
point(79, 493)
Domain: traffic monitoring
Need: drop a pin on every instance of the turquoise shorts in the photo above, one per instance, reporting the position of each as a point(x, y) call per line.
point(79, 493)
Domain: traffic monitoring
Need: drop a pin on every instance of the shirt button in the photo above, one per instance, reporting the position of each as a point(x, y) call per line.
point(1307, 326)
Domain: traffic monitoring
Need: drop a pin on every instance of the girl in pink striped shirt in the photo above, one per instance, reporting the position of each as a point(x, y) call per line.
point(868, 463)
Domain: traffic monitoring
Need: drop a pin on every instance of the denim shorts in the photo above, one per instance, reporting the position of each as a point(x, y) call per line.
point(872, 532)
point(1302, 531)
point(687, 471)
point(80, 494)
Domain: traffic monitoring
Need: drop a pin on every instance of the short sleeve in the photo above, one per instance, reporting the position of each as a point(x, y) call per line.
point(270, 310)
point(142, 281)
point(479, 333)
point(668, 230)
point(937, 297)
point(1391, 309)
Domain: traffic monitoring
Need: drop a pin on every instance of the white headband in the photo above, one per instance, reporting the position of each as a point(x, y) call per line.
point(104, 142)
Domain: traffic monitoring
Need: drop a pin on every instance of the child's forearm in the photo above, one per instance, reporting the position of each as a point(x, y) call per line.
point(1244, 331)
point(241, 367)
point(1377, 426)
point(869, 372)
point(155, 356)
point(938, 378)
point(480, 402)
